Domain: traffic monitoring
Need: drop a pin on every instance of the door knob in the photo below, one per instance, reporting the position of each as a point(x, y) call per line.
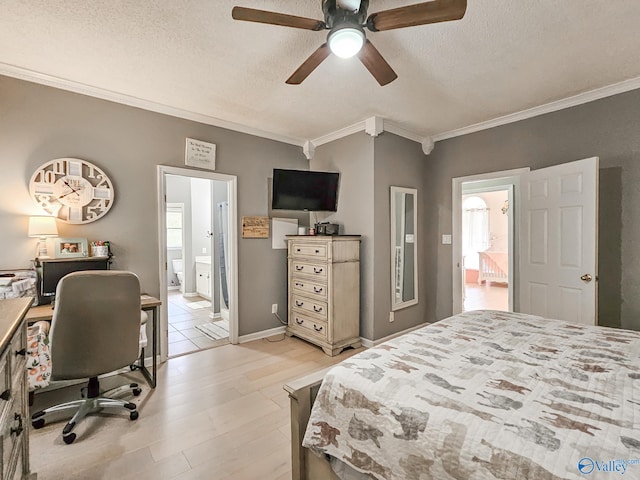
point(586, 277)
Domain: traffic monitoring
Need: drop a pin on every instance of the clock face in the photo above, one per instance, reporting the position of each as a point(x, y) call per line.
point(73, 190)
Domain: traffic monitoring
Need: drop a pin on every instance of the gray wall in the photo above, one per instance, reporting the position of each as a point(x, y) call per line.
point(369, 166)
point(401, 163)
point(352, 156)
point(39, 123)
point(608, 128)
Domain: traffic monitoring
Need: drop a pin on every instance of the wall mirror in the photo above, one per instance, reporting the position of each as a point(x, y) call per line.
point(404, 258)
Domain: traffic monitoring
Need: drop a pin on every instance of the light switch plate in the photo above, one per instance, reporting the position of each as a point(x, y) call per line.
point(446, 239)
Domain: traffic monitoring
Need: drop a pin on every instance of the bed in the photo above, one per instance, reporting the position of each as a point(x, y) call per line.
point(493, 267)
point(480, 395)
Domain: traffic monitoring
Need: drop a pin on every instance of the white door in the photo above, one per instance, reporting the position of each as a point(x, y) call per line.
point(558, 242)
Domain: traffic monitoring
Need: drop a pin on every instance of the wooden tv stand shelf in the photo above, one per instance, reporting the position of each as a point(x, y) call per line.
point(324, 290)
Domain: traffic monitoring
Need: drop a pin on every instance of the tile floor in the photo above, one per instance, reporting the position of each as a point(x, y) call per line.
point(488, 296)
point(183, 336)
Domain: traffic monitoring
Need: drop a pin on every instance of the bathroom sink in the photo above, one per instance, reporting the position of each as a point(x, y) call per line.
point(204, 259)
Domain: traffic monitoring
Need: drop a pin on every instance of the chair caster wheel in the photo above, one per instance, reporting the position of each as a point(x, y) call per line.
point(134, 415)
point(39, 423)
point(68, 439)
point(137, 391)
point(133, 367)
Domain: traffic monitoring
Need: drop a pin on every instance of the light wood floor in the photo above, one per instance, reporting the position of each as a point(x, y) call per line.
point(216, 414)
point(486, 297)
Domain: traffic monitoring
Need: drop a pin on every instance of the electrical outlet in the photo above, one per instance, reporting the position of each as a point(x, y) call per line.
point(204, 249)
point(392, 317)
point(274, 308)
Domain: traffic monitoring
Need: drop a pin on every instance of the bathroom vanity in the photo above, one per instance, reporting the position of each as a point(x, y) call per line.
point(203, 276)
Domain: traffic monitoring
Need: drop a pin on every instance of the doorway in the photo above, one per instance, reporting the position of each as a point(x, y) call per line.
point(485, 247)
point(198, 264)
point(484, 240)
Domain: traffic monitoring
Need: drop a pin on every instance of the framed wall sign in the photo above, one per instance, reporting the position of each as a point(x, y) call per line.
point(200, 154)
point(255, 227)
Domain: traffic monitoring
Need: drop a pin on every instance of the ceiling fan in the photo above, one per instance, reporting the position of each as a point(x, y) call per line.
point(346, 21)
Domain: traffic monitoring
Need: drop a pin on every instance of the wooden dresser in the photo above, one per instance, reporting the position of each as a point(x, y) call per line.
point(14, 420)
point(324, 290)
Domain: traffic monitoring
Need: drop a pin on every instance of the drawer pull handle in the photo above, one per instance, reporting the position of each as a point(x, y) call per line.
point(317, 309)
point(299, 322)
point(18, 430)
point(22, 351)
point(317, 289)
point(298, 284)
point(299, 268)
point(6, 395)
point(317, 251)
point(299, 303)
point(317, 270)
point(317, 328)
point(297, 249)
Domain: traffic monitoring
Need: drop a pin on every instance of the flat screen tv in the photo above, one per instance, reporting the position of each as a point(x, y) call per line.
point(305, 190)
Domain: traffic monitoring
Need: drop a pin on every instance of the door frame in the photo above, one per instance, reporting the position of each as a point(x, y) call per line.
point(456, 231)
point(232, 198)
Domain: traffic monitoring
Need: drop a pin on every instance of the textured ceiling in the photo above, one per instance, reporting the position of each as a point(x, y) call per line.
point(504, 56)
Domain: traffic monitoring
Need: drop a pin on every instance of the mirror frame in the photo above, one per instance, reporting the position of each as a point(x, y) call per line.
point(395, 304)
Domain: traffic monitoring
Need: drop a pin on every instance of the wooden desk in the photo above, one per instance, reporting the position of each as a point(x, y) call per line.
point(148, 303)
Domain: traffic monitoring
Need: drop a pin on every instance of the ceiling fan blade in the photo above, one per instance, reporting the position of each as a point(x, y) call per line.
point(376, 64)
point(309, 65)
point(273, 18)
point(419, 14)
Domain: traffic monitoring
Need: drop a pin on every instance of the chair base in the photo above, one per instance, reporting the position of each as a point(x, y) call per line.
point(94, 402)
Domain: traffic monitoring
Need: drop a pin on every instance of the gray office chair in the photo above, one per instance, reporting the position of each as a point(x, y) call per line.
point(95, 330)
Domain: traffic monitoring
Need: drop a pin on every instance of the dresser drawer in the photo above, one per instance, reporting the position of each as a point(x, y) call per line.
point(314, 307)
point(5, 384)
point(308, 287)
point(17, 353)
point(308, 250)
point(14, 427)
point(316, 270)
point(301, 322)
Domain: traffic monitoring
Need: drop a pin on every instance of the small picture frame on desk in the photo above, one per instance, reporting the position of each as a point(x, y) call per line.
point(71, 248)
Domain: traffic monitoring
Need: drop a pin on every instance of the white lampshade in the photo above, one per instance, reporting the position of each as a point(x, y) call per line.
point(346, 42)
point(42, 227)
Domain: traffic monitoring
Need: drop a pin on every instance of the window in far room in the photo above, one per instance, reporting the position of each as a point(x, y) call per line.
point(174, 227)
point(475, 230)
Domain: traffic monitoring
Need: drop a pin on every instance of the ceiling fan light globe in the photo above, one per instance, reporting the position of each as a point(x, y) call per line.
point(346, 42)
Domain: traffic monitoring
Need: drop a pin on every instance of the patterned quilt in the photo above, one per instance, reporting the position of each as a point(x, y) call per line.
point(486, 395)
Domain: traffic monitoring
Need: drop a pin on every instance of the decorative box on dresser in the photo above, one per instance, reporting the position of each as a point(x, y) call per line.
point(324, 290)
point(14, 420)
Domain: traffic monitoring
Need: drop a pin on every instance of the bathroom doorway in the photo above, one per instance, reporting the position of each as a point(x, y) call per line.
point(199, 245)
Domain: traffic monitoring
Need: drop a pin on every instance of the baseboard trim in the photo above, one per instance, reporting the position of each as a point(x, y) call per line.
point(372, 343)
point(262, 334)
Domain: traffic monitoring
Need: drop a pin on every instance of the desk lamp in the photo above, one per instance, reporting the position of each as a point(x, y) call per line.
point(42, 227)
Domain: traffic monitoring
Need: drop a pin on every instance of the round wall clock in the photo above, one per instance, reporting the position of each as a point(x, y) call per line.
point(73, 190)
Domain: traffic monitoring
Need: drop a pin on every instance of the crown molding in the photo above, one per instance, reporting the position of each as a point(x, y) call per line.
point(338, 134)
point(131, 101)
point(573, 101)
point(373, 126)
